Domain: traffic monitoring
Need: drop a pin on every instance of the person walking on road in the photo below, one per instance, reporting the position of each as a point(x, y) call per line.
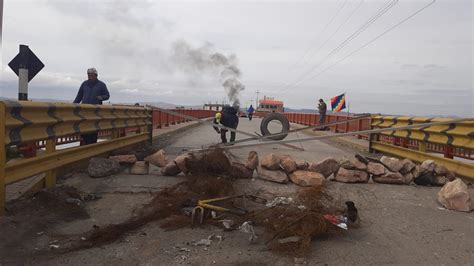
point(250, 112)
point(92, 91)
point(230, 119)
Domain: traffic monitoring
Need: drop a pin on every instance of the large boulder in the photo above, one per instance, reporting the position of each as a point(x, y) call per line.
point(408, 166)
point(239, 170)
point(307, 178)
point(140, 168)
point(425, 179)
point(181, 161)
point(390, 178)
point(302, 165)
point(277, 176)
point(270, 162)
point(393, 164)
point(124, 159)
point(288, 164)
point(252, 161)
point(417, 171)
point(158, 158)
point(171, 169)
point(353, 165)
point(428, 166)
point(376, 168)
point(455, 196)
point(101, 167)
point(351, 176)
point(327, 167)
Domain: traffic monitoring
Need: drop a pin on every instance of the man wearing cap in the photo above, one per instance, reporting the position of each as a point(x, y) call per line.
point(92, 91)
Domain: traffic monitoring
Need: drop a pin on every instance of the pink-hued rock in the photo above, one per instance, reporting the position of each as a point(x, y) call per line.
point(270, 162)
point(408, 166)
point(302, 165)
point(288, 164)
point(181, 161)
point(393, 164)
point(124, 159)
point(351, 176)
point(455, 196)
point(277, 176)
point(390, 178)
point(171, 169)
point(252, 161)
point(307, 178)
point(353, 165)
point(327, 167)
point(140, 168)
point(376, 169)
point(428, 166)
point(158, 158)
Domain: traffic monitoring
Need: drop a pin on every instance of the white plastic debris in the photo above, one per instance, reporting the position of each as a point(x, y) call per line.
point(279, 200)
point(247, 228)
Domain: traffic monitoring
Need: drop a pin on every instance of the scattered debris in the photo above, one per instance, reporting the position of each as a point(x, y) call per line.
point(73, 201)
point(53, 246)
point(291, 239)
point(227, 224)
point(279, 200)
point(203, 242)
point(247, 228)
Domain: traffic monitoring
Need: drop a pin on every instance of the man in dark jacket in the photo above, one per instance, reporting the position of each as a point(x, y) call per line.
point(250, 112)
point(322, 112)
point(229, 119)
point(92, 91)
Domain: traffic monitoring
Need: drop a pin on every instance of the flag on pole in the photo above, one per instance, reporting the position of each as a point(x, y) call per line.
point(338, 103)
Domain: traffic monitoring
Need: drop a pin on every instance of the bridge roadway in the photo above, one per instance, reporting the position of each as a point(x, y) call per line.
point(402, 225)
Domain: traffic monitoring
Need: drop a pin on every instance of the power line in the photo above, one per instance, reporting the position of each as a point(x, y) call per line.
point(374, 39)
point(324, 29)
point(361, 29)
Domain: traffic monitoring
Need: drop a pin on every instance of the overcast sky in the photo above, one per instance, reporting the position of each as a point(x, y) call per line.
point(155, 51)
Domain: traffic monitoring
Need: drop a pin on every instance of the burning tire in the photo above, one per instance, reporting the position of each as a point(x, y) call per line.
point(275, 116)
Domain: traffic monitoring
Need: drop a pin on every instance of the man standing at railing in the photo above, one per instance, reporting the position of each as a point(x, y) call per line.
point(322, 112)
point(92, 91)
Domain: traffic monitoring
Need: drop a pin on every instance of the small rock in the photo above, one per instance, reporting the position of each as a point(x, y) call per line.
point(181, 161)
point(376, 168)
point(171, 169)
point(288, 164)
point(270, 162)
point(351, 176)
point(353, 165)
point(441, 170)
point(302, 165)
point(428, 166)
point(393, 164)
point(327, 167)
point(252, 161)
point(101, 167)
point(274, 176)
point(440, 180)
point(124, 159)
point(158, 159)
point(408, 166)
point(307, 178)
point(390, 178)
point(238, 170)
point(53, 246)
point(140, 168)
point(291, 239)
point(73, 201)
point(203, 242)
point(455, 196)
point(83, 238)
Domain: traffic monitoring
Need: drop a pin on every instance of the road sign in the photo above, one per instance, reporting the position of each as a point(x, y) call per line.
point(26, 59)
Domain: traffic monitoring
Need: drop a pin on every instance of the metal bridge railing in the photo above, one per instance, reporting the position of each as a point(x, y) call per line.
point(452, 140)
point(31, 122)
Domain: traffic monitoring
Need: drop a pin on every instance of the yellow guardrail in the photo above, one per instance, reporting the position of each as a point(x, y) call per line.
point(459, 135)
point(26, 122)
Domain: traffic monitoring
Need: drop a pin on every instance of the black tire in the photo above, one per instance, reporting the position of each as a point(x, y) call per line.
point(275, 116)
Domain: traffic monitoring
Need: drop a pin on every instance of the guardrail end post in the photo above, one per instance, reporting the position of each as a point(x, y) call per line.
point(50, 180)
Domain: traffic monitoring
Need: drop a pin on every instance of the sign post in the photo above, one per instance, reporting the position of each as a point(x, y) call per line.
point(25, 65)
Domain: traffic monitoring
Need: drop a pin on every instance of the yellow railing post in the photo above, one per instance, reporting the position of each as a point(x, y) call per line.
point(422, 147)
point(50, 180)
point(3, 155)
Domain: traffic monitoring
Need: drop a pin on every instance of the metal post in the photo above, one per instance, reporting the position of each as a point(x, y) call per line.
point(50, 180)
point(3, 155)
point(23, 74)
